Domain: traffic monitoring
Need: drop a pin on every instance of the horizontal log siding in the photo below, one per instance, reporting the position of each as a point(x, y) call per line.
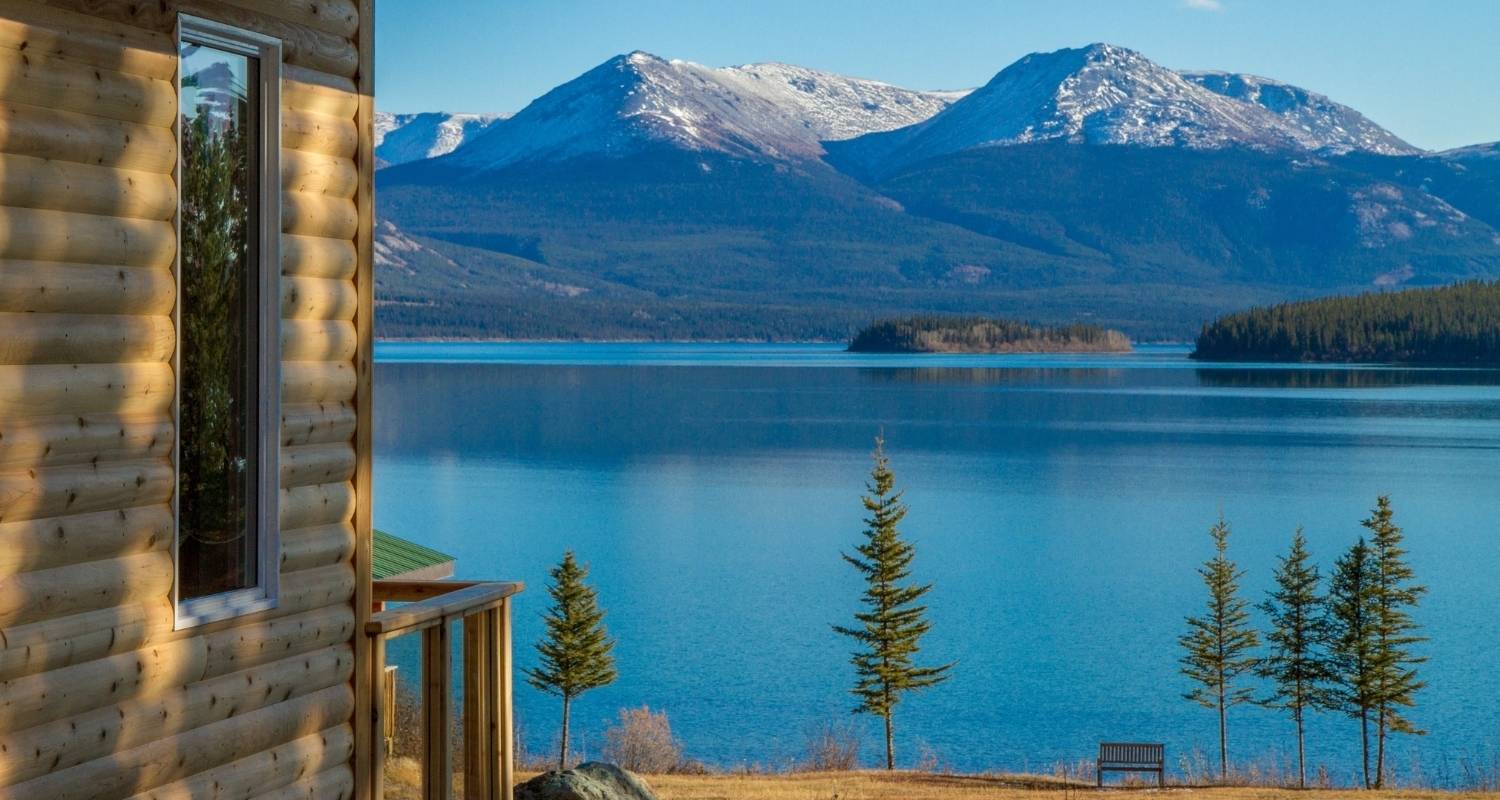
point(99, 696)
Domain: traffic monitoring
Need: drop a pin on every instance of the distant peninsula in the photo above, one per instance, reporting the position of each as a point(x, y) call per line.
point(945, 334)
point(1457, 325)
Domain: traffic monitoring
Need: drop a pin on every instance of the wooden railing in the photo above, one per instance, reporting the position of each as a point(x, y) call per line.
point(489, 760)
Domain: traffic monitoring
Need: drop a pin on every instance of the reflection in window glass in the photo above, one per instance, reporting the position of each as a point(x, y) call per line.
point(218, 425)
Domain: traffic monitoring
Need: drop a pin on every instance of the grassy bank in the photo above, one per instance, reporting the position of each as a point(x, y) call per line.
point(403, 780)
point(875, 785)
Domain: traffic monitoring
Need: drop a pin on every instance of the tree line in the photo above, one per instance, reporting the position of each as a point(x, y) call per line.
point(1457, 324)
point(1345, 648)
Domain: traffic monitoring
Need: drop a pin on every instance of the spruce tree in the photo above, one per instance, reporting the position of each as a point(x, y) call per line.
point(575, 652)
point(1218, 645)
point(1352, 611)
point(892, 623)
point(1394, 664)
point(1297, 663)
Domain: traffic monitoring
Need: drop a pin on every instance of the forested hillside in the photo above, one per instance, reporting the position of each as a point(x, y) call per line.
point(1150, 241)
point(1449, 325)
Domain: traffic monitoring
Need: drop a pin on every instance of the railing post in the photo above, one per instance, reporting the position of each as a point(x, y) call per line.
point(388, 694)
point(479, 778)
point(505, 724)
point(437, 708)
point(378, 713)
point(489, 727)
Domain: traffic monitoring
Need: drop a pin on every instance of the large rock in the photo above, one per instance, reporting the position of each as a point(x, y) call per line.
point(589, 781)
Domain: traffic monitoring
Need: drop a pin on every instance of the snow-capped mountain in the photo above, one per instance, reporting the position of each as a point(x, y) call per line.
point(733, 208)
point(1333, 127)
point(638, 101)
point(400, 138)
point(1105, 94)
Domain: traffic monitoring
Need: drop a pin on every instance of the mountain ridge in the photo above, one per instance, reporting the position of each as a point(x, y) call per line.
point(636, 101)
point(1104, 94)
point(1342, 128)
point(1096, 94)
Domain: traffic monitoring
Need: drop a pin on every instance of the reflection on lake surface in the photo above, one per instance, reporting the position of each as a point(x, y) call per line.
point(1325, 378)
point(1059, 503)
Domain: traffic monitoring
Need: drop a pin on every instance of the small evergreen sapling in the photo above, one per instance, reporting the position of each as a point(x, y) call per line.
point(1218, 645)
point(1370, 602)
point(1297, 663)
point(1395, 665)
point(892, 623)
point(1352, 612)
point(575, 653)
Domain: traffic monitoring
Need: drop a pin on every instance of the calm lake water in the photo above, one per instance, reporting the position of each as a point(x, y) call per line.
point(1060, 504)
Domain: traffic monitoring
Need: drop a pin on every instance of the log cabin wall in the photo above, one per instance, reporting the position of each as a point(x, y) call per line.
point(99, 696)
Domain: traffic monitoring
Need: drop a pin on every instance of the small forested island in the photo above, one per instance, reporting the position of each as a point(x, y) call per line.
point(949, 334)
point(1457, 324)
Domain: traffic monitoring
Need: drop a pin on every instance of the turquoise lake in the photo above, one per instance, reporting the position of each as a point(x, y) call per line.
point(1060, 505)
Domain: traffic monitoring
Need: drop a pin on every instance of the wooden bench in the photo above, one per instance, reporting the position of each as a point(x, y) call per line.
point(1131, 757)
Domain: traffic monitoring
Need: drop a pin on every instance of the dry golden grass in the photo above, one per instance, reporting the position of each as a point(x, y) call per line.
point(924, 786)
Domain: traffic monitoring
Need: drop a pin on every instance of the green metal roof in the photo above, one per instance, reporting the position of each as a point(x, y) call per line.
point(394, 556)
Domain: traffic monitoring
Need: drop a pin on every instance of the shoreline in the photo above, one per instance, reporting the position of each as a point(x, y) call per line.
point(995, 351)
point(769, 343)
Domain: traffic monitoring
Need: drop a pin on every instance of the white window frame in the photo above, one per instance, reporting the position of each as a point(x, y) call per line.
point(264, 595)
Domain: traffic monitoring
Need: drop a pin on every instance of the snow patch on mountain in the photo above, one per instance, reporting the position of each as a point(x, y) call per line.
point(395, 250)
point(1385, 214)
point(401, 258)
point(637, 101)
point(400, 138)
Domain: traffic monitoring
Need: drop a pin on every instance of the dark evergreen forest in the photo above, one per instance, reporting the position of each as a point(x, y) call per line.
point(1457, 324)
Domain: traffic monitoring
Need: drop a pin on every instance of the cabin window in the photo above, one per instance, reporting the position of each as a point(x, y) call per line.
point(228, 317)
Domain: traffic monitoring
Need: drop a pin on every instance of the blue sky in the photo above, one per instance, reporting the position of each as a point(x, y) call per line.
point(1426, 69)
